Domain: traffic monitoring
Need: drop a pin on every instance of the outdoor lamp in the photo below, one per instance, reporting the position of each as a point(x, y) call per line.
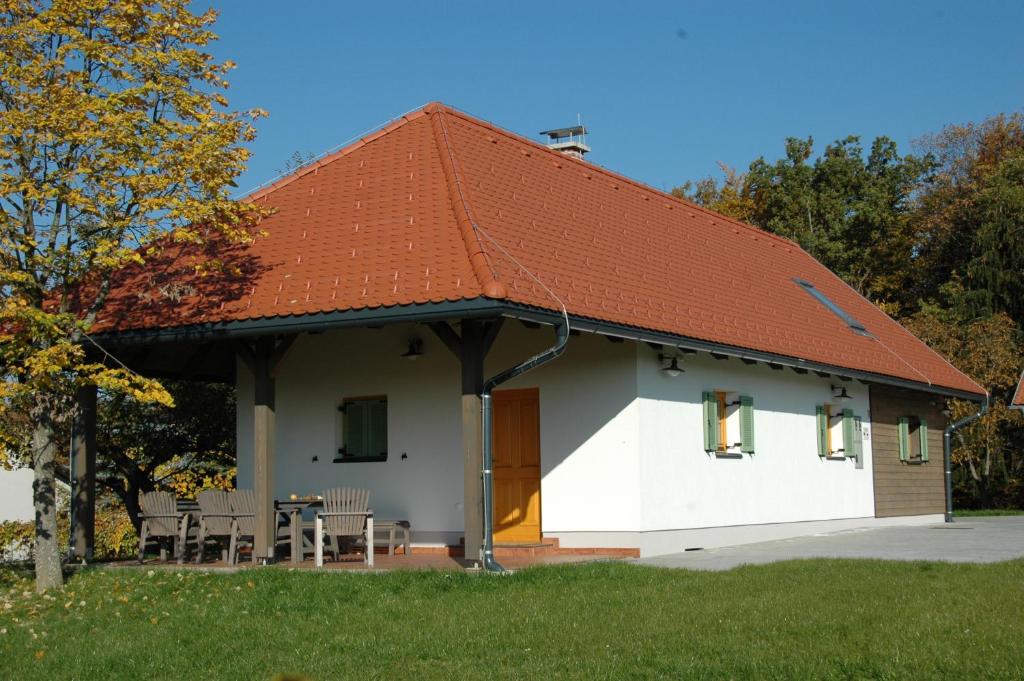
point(672, 369)
point(415, 348)
point(839, 392)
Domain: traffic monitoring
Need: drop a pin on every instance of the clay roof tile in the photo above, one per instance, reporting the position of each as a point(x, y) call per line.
point(439, 205)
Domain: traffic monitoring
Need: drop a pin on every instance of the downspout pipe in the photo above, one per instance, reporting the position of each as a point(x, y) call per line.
point(947, 453)
point(561, 339)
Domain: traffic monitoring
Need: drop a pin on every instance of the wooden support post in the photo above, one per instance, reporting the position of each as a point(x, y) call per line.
point(263, 446)
point(262, 359)
point(471, 347)
point(471, 357)
point(83, 473)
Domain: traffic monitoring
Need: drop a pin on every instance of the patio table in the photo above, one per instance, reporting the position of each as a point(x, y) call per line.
point(292, 510)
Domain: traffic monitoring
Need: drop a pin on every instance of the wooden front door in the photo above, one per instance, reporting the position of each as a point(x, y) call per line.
point(516, 462)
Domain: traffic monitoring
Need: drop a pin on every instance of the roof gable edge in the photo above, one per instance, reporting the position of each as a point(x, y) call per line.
point(330, 157)
point(479, 260)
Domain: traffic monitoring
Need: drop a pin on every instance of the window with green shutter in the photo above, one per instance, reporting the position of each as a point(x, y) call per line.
point(912, 432)
point(903, 434)
point(850, 434)
point(710, 400)
point(363, 430)
point(822, 415)
point(858, 441)
point(746, 424)
point(922, 434)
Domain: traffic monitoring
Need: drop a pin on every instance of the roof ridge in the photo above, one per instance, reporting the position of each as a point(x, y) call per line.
point(486, 275)
point(375, 134)
point(440, 107)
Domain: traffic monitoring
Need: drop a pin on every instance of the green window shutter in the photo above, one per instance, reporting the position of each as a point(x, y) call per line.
point(903, 433)
point(858, 442)
point(746, 424)
point(822, 431)
point(848, 433)
point(710, 422)
point(377, 428)
point(922, 431)
point(355, 429)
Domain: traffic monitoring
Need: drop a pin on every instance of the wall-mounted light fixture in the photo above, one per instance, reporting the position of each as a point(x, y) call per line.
point(415, 348)
point(670, 365)
point(946, 411)
point(839, 392)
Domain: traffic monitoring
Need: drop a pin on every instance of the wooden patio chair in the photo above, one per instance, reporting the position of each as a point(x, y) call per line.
point(346, 518)
point(161, 521)
point(216, 521)
point(243, 513)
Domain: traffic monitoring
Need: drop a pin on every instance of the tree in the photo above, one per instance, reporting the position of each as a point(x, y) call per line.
point(728, 198)
point(117, 144)
point(846, 209)
point(296, 161)
point(935, 238)
point(143, 446)
point(969, 215)
point(989, 349)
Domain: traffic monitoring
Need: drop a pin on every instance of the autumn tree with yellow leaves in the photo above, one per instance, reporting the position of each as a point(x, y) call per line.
point(117, 141)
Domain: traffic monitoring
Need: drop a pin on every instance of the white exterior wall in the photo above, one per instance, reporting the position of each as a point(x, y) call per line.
point(16, 495)
point(622, 458)
point(588, 426)
point(783, 481)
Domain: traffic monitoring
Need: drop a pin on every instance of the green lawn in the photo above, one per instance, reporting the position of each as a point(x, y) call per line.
point(974, 513)
point(801, 619)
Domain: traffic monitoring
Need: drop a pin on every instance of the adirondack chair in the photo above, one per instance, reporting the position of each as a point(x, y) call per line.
point(160, 521)
point(243, 513)
point(216, 521)
point(346, 517)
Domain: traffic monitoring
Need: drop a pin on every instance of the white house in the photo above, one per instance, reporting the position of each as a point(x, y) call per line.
point(708, 383)
point(16, 495)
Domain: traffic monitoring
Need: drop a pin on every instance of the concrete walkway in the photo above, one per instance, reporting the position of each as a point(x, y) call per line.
point(968, 540)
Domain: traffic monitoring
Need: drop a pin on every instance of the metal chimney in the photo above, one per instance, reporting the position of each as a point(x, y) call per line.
point(570, 141)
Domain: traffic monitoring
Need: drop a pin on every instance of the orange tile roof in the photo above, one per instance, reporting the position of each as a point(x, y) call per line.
point(1018, 397)
point(440, 206)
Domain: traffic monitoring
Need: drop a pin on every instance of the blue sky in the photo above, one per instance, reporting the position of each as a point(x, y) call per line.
point(668, 89)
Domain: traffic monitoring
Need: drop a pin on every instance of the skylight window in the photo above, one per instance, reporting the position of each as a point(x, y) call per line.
point(848, 319)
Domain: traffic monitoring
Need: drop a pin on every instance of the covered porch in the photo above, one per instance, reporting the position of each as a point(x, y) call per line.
point(303, 388)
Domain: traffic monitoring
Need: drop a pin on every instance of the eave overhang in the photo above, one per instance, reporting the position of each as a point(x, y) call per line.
point(482, 308)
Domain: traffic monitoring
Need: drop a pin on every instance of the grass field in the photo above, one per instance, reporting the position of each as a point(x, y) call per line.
point(987, 512)
point(801, 619)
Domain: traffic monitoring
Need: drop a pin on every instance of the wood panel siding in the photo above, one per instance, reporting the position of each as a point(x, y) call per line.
point(905, 488)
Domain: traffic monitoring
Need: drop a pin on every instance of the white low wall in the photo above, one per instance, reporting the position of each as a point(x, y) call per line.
point(16, 495)
point(661, 542)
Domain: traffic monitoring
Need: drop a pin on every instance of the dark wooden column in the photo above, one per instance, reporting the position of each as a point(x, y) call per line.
point(262, 358)
point(83, 473)
point(472, 361)
point(471, 347)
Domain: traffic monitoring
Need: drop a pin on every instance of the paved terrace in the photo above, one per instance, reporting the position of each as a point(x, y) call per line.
point(968, 540)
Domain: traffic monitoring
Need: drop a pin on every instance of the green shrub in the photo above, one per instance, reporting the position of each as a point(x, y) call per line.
point(115, 534)
point(16, 540)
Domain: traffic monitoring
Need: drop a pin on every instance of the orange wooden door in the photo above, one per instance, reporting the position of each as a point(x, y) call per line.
point(516, 459)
